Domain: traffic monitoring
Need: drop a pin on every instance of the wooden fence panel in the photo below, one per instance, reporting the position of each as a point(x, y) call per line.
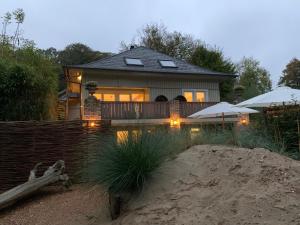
point(188, 108)
point(23, 144)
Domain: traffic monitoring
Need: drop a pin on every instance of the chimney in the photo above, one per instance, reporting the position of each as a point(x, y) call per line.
point(131, 47)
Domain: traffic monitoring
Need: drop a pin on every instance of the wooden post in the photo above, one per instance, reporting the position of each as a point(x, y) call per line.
point(298, 126)
point(223, 121)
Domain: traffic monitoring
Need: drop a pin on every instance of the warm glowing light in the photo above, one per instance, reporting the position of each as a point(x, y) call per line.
point(122, 136)
point(92, 124)
point(244, 121)
point(174, 123)
point(195, 129)
point(79, 78)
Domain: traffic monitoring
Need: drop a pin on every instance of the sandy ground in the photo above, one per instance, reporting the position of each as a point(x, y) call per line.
point(81, 205)
point(209, 185)
point(214, 185)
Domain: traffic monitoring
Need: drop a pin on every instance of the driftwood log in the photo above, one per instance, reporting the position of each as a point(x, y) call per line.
point(53, 174)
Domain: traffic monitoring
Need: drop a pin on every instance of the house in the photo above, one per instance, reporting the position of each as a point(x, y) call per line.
point(141, 77)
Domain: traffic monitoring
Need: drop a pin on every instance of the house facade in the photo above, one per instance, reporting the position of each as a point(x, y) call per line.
point(140, 75)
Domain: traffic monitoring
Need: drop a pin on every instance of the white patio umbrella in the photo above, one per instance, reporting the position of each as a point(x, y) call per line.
point(222, 109)
point(279, 96)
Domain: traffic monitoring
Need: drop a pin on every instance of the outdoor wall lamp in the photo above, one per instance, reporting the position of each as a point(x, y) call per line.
point(175, 122)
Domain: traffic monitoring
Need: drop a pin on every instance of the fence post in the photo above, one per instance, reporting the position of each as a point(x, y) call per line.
point(92, 108)
point(175, 113)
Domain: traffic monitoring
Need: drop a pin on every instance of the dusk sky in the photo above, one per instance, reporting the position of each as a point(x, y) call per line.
point(267, 30)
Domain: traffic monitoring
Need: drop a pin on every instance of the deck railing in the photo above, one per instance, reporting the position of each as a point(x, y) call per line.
point(135, 110)
point(188, 108)
point(142, 110)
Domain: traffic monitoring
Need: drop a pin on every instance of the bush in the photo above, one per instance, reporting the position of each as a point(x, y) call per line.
point(125, 166)
point(251, 138)
point(218, 137)
point(28, 86)
point(246, 138)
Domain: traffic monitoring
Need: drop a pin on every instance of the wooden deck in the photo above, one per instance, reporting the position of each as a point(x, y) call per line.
point(143, 110)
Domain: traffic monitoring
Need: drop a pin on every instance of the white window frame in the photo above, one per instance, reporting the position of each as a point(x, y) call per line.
point(194, 93)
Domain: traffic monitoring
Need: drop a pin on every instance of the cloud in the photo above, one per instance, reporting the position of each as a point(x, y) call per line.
point(266, 30)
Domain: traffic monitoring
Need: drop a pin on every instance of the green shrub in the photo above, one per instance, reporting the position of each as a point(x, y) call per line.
point(219, 137)
point(124, 167)
point(246, 138)
point(251, 138)
point(28, 85)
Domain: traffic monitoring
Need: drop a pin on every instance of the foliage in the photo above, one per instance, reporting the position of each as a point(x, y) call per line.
point(254, 138)
point(174, 44)
point(76, 53)
point(283, 124)
point(27, 93)
point(28, 86)
point(253, 77)
point(214, 59)
point(249, 137)
point(291, 74)
point(183, 46)
point(125, 166)
point(91, 84)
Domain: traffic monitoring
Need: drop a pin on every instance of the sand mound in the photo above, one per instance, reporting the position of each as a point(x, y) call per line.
point(216, 185)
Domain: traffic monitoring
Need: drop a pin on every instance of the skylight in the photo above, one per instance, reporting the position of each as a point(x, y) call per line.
point(134, 62)
point(167, 63)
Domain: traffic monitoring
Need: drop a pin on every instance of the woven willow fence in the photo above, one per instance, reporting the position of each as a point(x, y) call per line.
point(23, 144)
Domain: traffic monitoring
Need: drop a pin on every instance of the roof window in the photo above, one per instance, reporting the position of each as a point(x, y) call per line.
point(133, 62)
point(167, 63)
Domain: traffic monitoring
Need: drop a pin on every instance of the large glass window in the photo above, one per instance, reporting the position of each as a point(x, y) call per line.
point(137, 97)
point(109, 97)
point(188, 96)
point(98, 96)
point(200, 96)
point(124, 98)
point(122, 95)
point(195, 95)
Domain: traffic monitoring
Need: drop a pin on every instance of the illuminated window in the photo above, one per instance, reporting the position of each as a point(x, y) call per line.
point(98, 96)
point(137, 97)
point(124, 97)
point(109, 97)
point(122, 136)
point(136, 134)
point(188, 95)
point(200, 96)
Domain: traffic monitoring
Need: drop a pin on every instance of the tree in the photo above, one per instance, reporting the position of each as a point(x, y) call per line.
point(185, 47)
point(5, 23)
point(291, 74)
point(28, 86)
point(19, 17)
point(253, 77)
point(157, 37)
point(214, 59)
point(78, 53)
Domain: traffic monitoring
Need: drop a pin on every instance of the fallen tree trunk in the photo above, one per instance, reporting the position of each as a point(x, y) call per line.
point(53, 174)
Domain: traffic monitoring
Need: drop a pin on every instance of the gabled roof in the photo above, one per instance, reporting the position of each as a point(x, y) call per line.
point(150, 60)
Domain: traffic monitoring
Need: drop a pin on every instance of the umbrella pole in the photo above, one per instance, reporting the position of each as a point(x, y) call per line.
point(223, 121)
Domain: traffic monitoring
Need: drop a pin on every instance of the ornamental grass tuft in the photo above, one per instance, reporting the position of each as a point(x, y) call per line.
point(125, 164)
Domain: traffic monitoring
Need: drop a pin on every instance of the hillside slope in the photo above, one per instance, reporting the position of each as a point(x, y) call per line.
point(219, 185)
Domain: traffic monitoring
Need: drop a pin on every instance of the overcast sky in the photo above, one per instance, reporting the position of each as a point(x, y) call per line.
point(268, 30)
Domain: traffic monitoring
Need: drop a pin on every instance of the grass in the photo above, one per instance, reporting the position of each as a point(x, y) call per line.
point(123, 166)
point(246, 138)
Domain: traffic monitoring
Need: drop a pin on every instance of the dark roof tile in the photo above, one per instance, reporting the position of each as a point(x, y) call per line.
point(150, 59)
